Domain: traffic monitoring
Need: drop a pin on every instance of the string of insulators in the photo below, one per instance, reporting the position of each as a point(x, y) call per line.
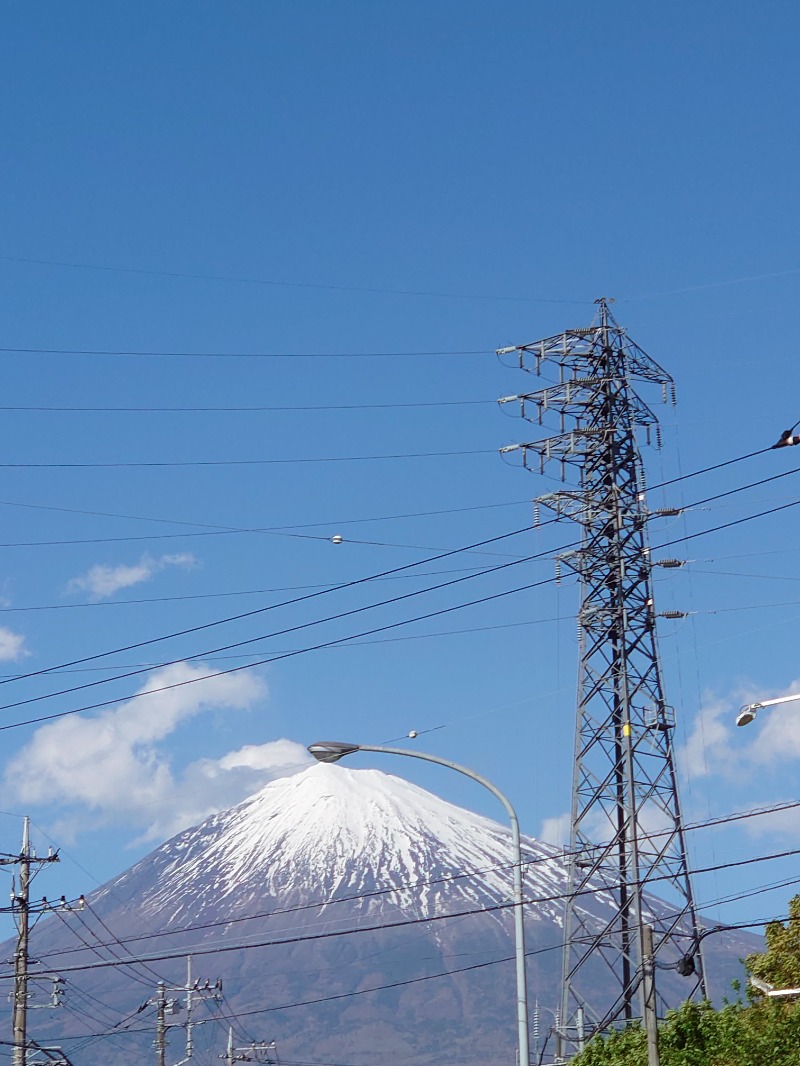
point(667, 512)
point(558, 571)
point(537, 514)
point(673, 614)
point(670, 564)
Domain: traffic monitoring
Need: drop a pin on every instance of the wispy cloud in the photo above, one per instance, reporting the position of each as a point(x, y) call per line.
point(12, 646)
point(751, 756)
point(115, 767)
point(715, 746)
point(102, 581)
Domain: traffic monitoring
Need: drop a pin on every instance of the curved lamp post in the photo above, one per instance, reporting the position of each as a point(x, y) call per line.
point(748, 712)
point(333, 750)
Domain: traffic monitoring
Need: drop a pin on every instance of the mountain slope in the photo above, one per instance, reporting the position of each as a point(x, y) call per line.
point(352, 916)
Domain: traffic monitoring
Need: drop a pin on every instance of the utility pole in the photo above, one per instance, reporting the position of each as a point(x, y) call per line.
point(29, 865)
point(262, 1053)
point(161, 1023)
point(626, 826)
point(193, 990)
point(649, 987)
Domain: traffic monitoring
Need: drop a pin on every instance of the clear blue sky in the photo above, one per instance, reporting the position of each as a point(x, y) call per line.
point(381, 179)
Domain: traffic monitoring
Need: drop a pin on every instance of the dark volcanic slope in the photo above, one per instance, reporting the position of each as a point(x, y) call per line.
point(351, 916)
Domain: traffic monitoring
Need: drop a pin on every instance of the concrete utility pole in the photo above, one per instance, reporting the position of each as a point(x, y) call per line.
point(161, 1024)
point(29, 864)
point(264, 1054)
point(200, 990)
point(649, 989)
point(193, 989)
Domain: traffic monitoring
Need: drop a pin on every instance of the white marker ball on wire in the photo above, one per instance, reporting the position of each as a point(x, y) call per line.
point(337, 538)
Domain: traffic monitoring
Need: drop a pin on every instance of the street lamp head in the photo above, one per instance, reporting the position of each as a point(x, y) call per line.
point(331, 750)
point(748, 713)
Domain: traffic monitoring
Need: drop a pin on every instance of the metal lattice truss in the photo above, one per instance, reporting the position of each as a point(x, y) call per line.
point(626, 830)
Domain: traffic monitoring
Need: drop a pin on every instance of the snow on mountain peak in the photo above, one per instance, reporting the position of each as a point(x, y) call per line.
point(331, 831)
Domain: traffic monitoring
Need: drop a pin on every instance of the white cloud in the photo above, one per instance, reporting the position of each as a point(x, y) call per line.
point(276, 756)
point(114, 768)
point(716, 746)
point(556, 830)
point(12, 646)
point(708, 749)
point(211, 785)
point(751, 757)
point(102, 581)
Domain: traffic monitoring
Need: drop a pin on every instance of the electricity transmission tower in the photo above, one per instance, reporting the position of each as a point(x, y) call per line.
point(626, 829)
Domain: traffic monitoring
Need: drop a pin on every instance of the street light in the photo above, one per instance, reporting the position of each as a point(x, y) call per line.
point(333, 750)
point(750, 710)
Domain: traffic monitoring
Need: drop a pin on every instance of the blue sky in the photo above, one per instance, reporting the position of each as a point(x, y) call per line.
point(312, 198)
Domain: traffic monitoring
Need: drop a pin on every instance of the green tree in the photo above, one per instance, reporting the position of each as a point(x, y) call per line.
point(779, 965)
point(767, 1034)
point(762, 1032)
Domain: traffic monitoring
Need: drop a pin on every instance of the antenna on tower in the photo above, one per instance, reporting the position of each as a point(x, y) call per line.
point(626, 826)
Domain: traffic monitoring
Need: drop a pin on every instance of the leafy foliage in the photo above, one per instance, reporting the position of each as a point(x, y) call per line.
point(764, 1031)
point(779, 965)
point(698, 1035)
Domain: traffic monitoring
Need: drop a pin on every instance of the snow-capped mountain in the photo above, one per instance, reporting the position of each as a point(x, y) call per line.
point(351, 915)
point(330, 833)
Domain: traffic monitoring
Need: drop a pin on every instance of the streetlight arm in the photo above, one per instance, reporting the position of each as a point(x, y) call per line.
point(749, 711)
point(778, 699)
point(512, 814)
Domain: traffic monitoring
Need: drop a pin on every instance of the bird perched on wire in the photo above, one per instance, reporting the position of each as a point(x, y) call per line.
point(787, 439)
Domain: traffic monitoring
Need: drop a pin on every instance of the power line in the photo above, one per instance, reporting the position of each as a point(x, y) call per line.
point(263, 662)
point(714, 285)
point(168, 464)
point(216, 528)
point(709, 469)
point(155, 665)
point(446, 973)
point(270, 607)
point(316, 647)
point(296, 651)
point(282, 632)
point(265, 529)
point(450, 878)
point(208, 529)
point(246, 410)
point(280, 284)
point(162, 354)
point(194, 950)
point(213, 595)
point(323, 591)
point(354, 644)
point(97, 948)
point(290, 654)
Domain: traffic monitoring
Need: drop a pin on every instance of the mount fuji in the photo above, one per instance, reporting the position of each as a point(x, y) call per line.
point(350, 916)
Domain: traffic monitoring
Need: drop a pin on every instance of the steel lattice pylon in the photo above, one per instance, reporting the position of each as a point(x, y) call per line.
point(626, 828)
